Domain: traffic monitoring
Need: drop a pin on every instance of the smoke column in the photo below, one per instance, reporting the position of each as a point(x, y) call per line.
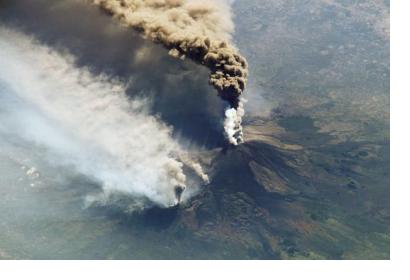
point(86, 122)
point(200, 30)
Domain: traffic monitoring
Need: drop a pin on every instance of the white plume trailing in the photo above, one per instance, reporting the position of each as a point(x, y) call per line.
point(85, 121)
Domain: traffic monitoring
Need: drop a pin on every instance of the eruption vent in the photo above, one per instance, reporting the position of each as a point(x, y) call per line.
point(200, 30)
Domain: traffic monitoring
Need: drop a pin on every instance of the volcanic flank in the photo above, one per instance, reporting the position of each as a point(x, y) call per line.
point(199, 30)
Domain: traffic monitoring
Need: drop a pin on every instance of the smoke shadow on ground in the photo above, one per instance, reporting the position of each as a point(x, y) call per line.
point(177, 90)
point(153, 218)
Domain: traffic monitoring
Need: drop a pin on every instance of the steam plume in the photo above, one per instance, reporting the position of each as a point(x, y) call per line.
point(196, 167)
point(200, 30)
point(85, 121)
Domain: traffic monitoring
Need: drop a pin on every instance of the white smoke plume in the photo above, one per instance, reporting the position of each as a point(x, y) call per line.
point(86, 122)
point(195, 166)
point(232, 123)
point(198, 29)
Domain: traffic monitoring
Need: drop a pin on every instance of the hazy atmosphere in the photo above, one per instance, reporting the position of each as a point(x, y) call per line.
point(187, 129)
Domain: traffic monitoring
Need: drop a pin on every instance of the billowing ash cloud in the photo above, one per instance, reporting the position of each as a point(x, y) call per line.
point(85, 121)
point(197, 29)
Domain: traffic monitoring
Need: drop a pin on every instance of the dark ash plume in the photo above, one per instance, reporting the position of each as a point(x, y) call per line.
point(199, 30)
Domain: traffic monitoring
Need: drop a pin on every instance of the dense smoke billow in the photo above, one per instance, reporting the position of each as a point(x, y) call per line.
point(200, 30)
point(86, 121)
point(96, 97)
